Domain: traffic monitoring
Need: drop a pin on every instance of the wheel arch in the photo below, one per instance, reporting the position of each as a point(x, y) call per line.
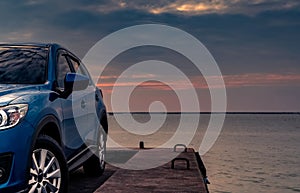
point(49, 126)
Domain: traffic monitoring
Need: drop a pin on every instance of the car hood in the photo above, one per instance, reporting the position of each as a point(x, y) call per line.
point(9, 92)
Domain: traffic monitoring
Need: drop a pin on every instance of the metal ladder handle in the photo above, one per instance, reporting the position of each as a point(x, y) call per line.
point(180, 145)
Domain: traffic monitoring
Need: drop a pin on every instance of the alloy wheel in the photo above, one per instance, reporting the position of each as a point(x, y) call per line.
point(45, 172)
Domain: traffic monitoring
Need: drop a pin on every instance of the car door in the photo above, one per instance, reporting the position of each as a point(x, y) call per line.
point(89, 130)
point(74, 109)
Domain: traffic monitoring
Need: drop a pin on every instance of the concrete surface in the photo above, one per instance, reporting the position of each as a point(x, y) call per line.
point(159, 179)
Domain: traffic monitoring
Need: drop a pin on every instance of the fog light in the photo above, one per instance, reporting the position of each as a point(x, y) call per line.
point(5, 166)
point(2, 173)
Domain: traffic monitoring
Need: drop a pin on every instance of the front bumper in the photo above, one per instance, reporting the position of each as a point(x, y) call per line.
point(15, 147)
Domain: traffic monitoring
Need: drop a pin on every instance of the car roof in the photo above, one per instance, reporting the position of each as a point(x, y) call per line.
point(48, 45)
point(51, 46)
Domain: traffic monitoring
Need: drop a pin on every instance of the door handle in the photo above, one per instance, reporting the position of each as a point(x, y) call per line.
point(83, 104)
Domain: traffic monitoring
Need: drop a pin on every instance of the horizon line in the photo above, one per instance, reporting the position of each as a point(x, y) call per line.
point(231, 112)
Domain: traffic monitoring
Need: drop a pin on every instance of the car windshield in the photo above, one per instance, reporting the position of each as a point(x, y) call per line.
point(23, 64)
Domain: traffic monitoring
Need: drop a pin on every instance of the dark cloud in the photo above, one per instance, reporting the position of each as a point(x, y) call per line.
point(266, 41)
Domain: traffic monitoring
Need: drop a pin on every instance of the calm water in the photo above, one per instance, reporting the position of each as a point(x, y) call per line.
point(254, 152)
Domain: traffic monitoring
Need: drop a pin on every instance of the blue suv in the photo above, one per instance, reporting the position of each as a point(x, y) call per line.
point(52, 119)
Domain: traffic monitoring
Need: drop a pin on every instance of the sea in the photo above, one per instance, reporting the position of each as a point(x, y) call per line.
point(254, 152)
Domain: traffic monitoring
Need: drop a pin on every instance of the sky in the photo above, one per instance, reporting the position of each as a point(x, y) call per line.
point(256, 45)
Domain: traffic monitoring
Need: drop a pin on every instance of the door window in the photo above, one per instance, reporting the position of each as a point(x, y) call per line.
point(62, 69)
point(79, 68)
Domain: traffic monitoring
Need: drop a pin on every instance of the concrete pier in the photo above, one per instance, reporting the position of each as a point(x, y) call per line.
point(184, 177)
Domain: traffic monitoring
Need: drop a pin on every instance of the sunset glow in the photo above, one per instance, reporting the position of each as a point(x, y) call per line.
point(235, 81)
point(190, 8)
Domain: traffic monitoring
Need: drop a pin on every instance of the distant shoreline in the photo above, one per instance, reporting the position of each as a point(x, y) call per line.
point(112, 113)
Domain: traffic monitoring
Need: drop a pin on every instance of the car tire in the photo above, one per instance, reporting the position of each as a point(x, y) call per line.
point(95, 165)
point(48, 170)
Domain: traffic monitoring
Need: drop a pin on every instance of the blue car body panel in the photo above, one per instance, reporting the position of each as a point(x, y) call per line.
point(45, 105)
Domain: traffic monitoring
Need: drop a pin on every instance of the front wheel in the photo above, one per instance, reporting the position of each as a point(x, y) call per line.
point(48, 171)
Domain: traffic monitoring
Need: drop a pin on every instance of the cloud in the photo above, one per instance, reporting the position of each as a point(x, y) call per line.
point(17, 36)
point(267, 42)
point(261, 80)
point(194, 7)
point(246, 92)
point(189, 7)
point(184, 7)
point(231, 81)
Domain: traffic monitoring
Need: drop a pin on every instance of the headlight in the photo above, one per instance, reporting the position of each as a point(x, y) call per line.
point(11, 115)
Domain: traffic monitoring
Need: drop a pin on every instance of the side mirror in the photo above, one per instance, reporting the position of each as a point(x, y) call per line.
point(76, 82)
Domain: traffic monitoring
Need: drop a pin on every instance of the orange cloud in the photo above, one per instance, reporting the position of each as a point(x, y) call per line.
point(198, 7)
point(190, 7)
